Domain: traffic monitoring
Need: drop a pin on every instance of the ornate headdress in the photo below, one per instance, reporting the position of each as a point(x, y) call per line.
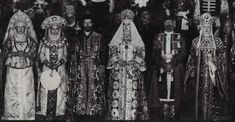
point(54, 20)
point(136, 40)
point(127, 14)
point(207, 19)
point(17, 18)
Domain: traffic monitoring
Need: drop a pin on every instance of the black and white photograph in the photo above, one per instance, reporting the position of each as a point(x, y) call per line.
point(109, 60)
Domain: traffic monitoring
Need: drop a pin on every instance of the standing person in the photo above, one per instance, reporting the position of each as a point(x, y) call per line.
point(168, 70)
point(126, 93)
point(52, 87)
point(19, 50)
point(87, 64)
point(147, 32)
point(227, 35)
point(205, 86)
point(70, 15)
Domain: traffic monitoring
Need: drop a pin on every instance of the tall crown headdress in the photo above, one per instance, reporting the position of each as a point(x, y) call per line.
point(207, 19)
point(20, 17)
point(127, 14)
point(54, 20)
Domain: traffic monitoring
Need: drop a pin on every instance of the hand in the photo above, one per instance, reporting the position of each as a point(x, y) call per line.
point(217, 22)
point(131, 62)
point(168, 56)
point(122, 63)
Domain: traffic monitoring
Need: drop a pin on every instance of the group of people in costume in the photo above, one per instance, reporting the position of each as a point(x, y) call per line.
point(71, 72)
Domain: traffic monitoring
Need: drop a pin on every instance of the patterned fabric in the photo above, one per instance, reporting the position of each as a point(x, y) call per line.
point(207, 96)
point(19, 103)
point(19, 96)
point(43, 97)
point(86, 75)
point(126, 93)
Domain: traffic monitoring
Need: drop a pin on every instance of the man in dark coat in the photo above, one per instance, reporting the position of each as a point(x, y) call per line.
point(168, 72)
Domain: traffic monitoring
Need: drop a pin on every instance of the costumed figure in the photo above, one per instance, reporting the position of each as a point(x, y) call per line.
point(19, 50)
point(169, 56)
point(205, 85)
point(87, 64)
point(126, 93)
point(52, 86)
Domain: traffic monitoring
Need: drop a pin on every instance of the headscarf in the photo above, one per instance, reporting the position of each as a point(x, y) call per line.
point(136, 40)
point(15, 19)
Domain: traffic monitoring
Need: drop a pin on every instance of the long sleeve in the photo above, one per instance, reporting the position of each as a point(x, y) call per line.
point(41, 53)
point(140, 58)
point(113, 57)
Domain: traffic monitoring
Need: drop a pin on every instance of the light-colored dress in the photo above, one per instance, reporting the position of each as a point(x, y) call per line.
point(19, 96)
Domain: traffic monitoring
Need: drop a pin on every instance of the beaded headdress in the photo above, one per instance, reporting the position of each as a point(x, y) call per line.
point(127, 14)
point(54, 20)
point(20, 17)
point(17, 18)
point(207, 19)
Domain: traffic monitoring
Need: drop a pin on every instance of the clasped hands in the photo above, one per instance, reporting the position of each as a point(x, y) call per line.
point(168, 57)
point(123, 63)
point(52, 65)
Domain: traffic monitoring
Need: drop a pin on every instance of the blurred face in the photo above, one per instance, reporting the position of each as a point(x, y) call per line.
point(227, 27)
point(145, 17)
point(206, 30)
point(169, 25)
point(87, 24)
point(126, 29)
point(126, 26)
point(20, 27)
point(55, 30)
point(70, 18)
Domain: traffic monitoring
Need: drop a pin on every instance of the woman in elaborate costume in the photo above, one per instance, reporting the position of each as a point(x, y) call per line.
point(52, 87)
point(19, 50)
point(205, 86)
point(126, 95)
